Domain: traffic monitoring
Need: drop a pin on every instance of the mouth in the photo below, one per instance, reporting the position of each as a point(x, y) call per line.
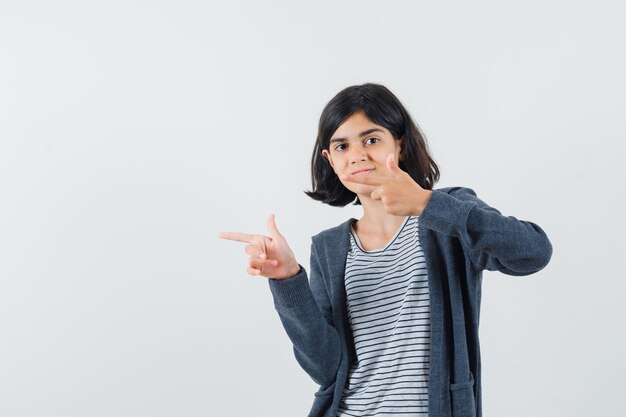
point(362, 172)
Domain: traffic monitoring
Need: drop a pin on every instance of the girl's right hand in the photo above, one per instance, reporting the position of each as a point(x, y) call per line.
point(270, 257)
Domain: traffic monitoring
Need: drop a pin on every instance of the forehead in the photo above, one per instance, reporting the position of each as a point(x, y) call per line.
point(355, 126)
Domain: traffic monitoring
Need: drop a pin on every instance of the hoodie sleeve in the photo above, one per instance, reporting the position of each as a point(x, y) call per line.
point(306, 314)
point(492, 241)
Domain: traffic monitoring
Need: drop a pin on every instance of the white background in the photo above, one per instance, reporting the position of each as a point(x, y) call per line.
point(132, 132)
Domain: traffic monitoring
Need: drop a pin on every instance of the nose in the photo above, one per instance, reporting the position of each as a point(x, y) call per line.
point(357, 154)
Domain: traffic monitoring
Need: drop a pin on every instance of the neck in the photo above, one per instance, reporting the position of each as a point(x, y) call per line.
point(376, 220)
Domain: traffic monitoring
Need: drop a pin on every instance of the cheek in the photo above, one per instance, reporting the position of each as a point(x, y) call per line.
point(338, 165)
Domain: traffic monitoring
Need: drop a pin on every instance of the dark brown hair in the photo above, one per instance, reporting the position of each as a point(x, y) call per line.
point(382, 107)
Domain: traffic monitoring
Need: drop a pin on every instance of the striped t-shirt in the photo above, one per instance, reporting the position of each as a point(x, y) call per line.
point(388, 310)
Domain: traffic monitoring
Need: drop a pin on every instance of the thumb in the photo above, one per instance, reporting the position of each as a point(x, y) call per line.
point(271, 226)
point(392, 165)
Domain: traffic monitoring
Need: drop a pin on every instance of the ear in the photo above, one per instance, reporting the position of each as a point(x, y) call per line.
point(402, 148)
point(326, 155)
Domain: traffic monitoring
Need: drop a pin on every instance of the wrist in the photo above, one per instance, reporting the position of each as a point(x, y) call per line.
point(423, 201)
point(292, 272)
point(296, 270)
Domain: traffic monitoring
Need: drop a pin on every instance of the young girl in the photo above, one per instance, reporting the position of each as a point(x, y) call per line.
point(386, 322)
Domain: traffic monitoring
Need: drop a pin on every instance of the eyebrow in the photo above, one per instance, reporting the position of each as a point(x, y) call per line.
point(364, 133)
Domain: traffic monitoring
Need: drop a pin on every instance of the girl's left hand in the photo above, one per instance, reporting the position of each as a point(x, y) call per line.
point(399, 193)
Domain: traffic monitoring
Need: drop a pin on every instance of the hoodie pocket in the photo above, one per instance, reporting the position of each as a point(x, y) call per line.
point(463, 398)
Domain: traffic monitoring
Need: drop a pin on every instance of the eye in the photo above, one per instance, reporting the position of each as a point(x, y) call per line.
point(337, 148)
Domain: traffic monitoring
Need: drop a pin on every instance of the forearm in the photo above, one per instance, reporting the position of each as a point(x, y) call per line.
point(316, 343)
point(494, 241)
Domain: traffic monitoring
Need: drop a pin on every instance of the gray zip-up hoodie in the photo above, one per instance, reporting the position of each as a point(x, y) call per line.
point(461, 236)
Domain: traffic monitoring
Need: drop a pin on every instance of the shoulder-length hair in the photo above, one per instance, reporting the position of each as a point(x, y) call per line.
point(382, 107)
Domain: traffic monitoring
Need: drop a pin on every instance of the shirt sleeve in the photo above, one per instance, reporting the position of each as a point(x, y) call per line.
point(306, 314)
point(492, 241)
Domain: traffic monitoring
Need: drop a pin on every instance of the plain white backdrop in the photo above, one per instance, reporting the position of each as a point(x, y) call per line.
point(132, 132)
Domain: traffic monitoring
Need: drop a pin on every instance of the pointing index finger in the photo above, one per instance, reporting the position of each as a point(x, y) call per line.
point(239, 237)
point(361, 179)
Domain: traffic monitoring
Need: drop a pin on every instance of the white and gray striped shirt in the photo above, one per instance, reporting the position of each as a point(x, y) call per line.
point(388, 310)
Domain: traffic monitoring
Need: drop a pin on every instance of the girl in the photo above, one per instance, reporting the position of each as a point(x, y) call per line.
point(388, 322)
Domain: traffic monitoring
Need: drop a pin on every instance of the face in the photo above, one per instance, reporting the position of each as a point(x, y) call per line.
point(360, 144)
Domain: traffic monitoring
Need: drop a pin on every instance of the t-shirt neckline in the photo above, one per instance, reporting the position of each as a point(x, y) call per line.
point(395, 236)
